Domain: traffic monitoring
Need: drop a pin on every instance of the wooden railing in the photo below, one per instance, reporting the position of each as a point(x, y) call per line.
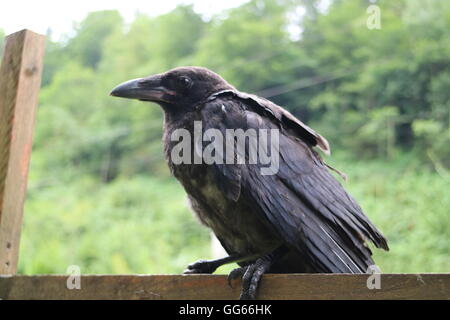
point(215, 287)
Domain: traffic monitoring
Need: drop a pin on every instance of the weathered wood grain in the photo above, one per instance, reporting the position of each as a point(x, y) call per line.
point(215, 287)
point(20, 78)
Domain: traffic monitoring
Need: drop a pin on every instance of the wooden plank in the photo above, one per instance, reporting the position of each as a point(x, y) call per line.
point(215, 287)
point(20, 79)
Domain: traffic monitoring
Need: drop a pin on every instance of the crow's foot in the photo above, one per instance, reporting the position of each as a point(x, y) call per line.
point(251, 276)
point(201, 266)
point(209, 266)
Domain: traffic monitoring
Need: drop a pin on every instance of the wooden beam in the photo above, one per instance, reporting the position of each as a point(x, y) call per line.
point(20, 79)
point(215, 287)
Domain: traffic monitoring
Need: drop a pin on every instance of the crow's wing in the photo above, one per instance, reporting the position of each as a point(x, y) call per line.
point(302, 201)
point(269, 109)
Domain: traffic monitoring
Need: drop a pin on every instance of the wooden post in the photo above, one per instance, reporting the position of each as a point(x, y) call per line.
point(20, 79)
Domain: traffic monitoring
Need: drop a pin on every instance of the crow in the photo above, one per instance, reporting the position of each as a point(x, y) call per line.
point(296, 218)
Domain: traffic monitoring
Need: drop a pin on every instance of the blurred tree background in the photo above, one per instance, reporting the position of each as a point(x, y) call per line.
point(100, 195)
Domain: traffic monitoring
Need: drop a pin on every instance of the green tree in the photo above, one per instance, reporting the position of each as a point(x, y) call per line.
point(176, 35)
point(403, 65)
point(87, 44)
point(251, 47)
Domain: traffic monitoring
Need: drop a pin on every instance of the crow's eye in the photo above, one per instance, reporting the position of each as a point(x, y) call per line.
point(184, 82)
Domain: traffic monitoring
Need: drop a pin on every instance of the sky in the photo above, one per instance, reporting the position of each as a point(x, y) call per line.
point(59, 16)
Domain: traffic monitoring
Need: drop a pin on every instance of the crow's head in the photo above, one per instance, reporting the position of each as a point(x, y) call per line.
point(182, 87)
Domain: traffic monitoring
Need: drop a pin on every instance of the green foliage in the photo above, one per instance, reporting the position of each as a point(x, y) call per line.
point(404, 65)
point(410, 206)
point(100, 195)
point(87, 46)
point(250, 46)
point(176, 35)
point(139, 225)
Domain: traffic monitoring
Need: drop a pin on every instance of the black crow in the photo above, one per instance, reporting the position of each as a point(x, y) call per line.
point(295, 218)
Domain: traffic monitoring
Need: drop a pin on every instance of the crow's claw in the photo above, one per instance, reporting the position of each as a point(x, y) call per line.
point(235, 274)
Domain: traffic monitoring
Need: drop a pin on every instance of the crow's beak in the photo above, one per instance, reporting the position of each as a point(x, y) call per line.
point(145, 89)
